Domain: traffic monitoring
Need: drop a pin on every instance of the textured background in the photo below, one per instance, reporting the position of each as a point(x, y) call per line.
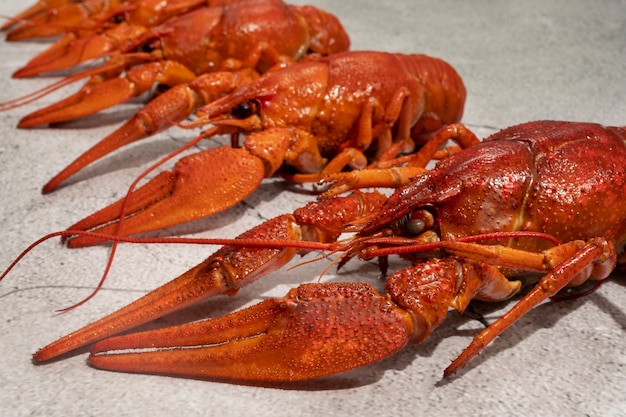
point(521, 62)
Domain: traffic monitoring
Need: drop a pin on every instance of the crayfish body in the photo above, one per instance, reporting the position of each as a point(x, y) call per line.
point(313, 118)
point(246, 34)
point(519, 186)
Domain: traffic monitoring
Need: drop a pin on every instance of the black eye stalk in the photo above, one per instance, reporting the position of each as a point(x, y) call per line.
point(117, 19)
point(246, 109)
point(419, 221)
point(414, 223)
point(147, 47)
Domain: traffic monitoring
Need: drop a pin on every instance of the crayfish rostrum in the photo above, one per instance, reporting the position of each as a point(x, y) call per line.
point(542, 199)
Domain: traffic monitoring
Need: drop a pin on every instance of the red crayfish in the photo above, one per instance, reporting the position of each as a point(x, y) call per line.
point(93, 29)
point(83, 18)
point(239, 36)
point(481, 224)
point(306, 121)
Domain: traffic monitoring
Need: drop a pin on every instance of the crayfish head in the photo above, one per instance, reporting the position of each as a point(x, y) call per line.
point(147, 46)
point(410, 224)
point(286, 98)
point(245, 116)
point(181, 39)
point(410, 210)
point(148, 13)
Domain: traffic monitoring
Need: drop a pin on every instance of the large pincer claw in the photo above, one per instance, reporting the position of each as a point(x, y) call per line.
point(46, 18)
point(37, 9)
point(70, 50)
point(229, 269)
point(316, 330)
point(200, 185)
point(98, 95)
point(172, 106)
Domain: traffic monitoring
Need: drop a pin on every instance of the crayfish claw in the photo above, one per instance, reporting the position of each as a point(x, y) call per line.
point(89, 100)
point(315, 331)
point(200, 185)
point(45, 19)
point(160, 113)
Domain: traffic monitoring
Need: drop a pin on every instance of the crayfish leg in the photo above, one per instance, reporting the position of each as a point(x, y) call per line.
point(388, 172)
point(429, 289)
point(594, 260)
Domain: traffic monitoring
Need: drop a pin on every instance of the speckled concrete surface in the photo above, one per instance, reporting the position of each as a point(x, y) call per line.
point(524, 61)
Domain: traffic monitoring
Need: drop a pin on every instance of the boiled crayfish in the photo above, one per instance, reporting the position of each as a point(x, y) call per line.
point(240, 36)
point(305, 121)
point(82, 18)
point(490, 215)
point(94, 30)
point(52, 17)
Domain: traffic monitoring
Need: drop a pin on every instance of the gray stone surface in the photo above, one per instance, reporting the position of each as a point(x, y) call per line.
point(521, 61)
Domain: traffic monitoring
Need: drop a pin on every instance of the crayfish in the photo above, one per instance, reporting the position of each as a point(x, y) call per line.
point(304, 122)
point(80, 18)
point(92, 29)
point(239, 36)
point(537, 203)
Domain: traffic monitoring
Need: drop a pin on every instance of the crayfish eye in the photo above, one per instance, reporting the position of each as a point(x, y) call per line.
point(148, 46)
point(246, 109)
point(418, 221)
point(117, 19)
